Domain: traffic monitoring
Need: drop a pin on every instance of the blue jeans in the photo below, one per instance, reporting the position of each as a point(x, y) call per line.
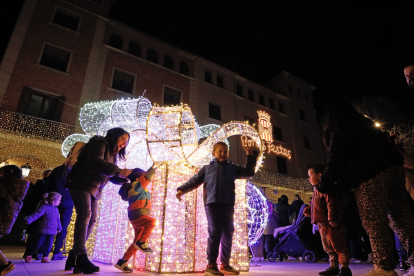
point(65, 216)
point(86, 207)
point(45, 239)
point(220, 228)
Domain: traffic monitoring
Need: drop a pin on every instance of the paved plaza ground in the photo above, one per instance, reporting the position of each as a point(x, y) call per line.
point(286, 268)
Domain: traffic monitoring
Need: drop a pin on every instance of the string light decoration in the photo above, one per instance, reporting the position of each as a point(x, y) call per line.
point(170, 139)
point(257, 212)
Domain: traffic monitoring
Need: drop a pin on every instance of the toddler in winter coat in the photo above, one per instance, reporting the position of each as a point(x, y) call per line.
point(139, 199)
point(325, 211)
point(219, 199)
point(12, 192)
point(48, 226)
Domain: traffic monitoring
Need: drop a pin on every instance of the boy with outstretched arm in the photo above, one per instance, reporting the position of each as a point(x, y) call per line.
point(219, 199)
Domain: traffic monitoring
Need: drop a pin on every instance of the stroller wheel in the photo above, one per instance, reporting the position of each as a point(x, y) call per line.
point(309, 256)
point(271, 256)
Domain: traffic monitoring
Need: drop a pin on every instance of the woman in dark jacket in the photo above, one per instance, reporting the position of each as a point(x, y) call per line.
point(361, 158)
point(282, 208)
point(96, 164)
point(12, 191)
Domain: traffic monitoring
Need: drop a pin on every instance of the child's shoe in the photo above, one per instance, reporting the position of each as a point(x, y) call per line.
point(330, 271)
point(123, 266)
point(143, 247)
point(28, 259)
point(377, 271)
point(45, 260)
point(5, 269)
point(212, 270)
point(345, 271)
point(227, 269)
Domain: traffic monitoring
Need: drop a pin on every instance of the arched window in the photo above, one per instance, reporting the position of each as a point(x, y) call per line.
point(134, 49)
point(184, 69)
point(116, 41)
point(168, 62)
point(152, 56)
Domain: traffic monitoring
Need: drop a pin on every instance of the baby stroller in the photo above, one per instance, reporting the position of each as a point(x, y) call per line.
point(291, 241)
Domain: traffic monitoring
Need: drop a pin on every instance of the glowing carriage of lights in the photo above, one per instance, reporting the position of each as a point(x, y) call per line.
point(169, 137)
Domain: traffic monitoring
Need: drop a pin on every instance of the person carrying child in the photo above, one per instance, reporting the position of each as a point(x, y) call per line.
point(325, 211)
point(139, 199)
point(219, 199)
point(48, 225)
point(12, 192)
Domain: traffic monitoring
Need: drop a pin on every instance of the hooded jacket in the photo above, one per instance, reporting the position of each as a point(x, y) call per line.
point(218, 179)
point(12, 194)
point(49, 222)
point(326, 207)
point(94, 167)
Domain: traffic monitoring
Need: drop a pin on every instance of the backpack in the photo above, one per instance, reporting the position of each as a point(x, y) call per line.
point(72, 157)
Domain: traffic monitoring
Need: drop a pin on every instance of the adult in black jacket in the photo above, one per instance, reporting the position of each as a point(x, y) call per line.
point(96, 164)
point(361, 157)
point(294, 208)
point(282, 208)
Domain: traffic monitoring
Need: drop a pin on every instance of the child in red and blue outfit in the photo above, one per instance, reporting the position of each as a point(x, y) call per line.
point(139, 199)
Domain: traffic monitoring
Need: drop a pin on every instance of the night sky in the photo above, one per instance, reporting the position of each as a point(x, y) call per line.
point(344, 50)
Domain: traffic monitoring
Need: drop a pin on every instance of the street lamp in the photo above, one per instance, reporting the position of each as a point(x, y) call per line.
point(26, 168)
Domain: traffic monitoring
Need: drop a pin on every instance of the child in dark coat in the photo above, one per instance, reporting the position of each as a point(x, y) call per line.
point(48, 226)
point(326, 213)
point(139, 199)
point(219, 199)
point(12, 191)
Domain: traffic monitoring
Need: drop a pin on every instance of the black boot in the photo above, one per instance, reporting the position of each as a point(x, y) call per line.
point(83, 265)
point(70, 261)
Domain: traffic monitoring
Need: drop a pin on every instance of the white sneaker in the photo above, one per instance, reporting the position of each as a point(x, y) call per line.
point(410, 272)
point(377, 271)
point(354, 261)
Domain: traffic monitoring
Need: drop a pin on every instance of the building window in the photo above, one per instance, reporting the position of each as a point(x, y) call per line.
point(116, 41)
point(208, 77)
point(214, 111)
point(261, 100)
point(152, 56)
point(306, 142)
point(40, 105)
point(134, 49)
point(281, 108)
point(123, 81)
point(184, 69)
point(281, 165)
point(249, 119)
point(251, 95)
point(239, 90)
point(220, 81)
point(56, 58)
point(171, 96)
point(168, 62)
point(277, 133)
point(271, 104)
point(302, 115)
point(66, 19)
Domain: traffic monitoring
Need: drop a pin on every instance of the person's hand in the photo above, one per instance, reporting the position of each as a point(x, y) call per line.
point(124, 173)
point(248, 149)
point(333, 223)
point(178, 195)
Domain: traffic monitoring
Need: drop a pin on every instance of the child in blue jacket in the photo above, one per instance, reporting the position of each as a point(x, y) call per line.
point(48, 226)
point(219, 198)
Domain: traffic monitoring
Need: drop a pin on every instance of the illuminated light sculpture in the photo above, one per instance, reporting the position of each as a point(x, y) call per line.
point(257, 212)
point(170, 139)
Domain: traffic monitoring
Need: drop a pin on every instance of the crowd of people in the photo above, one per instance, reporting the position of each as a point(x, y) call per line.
point(360, 195)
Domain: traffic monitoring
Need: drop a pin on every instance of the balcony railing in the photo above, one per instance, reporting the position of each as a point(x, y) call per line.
point(29, 125)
